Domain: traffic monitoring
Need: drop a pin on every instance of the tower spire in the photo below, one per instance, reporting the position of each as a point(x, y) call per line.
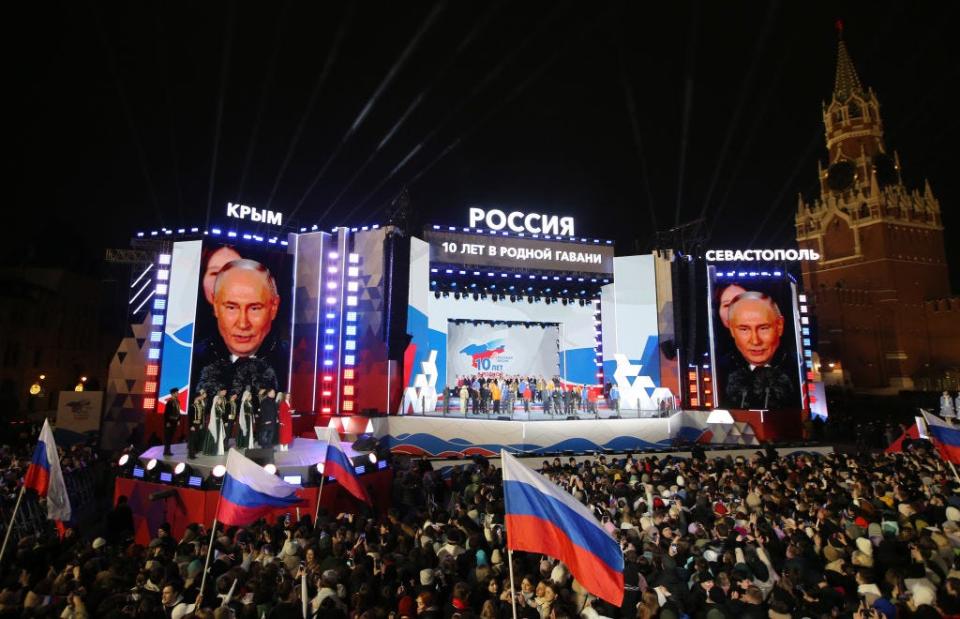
point(847, 80)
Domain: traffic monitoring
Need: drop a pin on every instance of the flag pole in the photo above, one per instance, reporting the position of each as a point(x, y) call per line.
point(13, 518)
point(316, 513)
point(513, 589)
point(213, 531)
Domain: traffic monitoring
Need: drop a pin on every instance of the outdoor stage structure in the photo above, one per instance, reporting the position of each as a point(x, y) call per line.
point(371, 327)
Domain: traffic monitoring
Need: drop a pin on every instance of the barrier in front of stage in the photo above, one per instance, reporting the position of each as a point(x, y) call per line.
point(442, 437)
point(189, 505)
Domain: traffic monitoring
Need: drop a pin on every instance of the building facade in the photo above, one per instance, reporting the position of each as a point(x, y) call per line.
point(881, 287)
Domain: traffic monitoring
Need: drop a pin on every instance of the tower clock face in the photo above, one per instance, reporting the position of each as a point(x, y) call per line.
point(886, 169)
point(840, 176)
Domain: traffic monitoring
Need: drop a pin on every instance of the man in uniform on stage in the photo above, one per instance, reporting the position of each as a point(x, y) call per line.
point(171, 419)
point(230, 420)
point(268, 419)
point(195, 437)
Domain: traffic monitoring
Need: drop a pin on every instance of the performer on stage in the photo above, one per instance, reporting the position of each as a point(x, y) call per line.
point(285, 421)
point(245, 433)
point(171, 420)
point(195, 438)
point(230, 421)
point(213, 442)
point(268, 419)
point(464, 396)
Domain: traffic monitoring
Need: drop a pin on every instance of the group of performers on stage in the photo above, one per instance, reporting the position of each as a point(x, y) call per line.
point(501, 394)
point(261, 420)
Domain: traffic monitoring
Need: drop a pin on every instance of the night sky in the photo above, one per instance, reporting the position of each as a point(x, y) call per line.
point(630, 116)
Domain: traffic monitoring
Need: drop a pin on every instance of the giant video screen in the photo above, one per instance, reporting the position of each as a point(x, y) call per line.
point(754, 335)
point(243, 319)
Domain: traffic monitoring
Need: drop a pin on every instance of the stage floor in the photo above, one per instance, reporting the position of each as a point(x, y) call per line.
point(303, 454)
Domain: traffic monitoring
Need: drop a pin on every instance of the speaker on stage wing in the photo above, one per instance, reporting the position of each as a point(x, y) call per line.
point(162, 494)
point(502, 418)
point(572, 418)
point(261, 456)
point(365, 442)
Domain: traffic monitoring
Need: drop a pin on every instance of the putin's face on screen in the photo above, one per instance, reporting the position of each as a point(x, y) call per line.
point(245, 304)
point(756, 326)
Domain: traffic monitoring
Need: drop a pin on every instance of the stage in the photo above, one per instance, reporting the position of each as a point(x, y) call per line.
point(304, 453)
point(461, 437)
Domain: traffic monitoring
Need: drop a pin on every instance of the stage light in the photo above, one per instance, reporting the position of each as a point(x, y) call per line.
point(124, 459)
point(180, 468)
point(219, 471)
point(372, 457)
point(320, 467)
point(270, 467)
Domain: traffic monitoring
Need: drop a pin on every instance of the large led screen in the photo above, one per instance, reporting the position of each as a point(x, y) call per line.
point(494, 349)
point(753, 319)
point(243, 314)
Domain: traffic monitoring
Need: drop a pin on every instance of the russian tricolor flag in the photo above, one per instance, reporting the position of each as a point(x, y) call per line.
point(44, 476)
point(339, 466)
point(946, 438)
point(542, 518)
point(249, 492)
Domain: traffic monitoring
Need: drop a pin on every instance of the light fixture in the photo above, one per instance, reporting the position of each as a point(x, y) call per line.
point(372, 457)
point(320, 467)
point(219, 471)
point(151, 464)
point(180, 468)
point(270, 467)
point(123, 460)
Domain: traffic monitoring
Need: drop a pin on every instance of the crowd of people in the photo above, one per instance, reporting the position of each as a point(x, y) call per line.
point(805, 535)
point(495, 393)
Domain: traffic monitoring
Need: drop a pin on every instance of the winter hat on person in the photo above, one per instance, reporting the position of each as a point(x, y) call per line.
point(710, 555)
point(861, 559)
point(99, 543)
point(427, 577)
point(874, 530)
point(831, 554)
point(290, 548)
point(406, 607)
point(864, 546)
point(953, 514)
point(481, 558)
point(495, 557)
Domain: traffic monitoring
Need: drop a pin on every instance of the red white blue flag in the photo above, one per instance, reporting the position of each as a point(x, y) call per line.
point(339, 466)
point(542, 518)
point(249, 492)
point(44, 476)
point(945, 437)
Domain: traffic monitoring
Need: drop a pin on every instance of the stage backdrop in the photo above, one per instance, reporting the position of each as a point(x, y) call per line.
point(487, 348)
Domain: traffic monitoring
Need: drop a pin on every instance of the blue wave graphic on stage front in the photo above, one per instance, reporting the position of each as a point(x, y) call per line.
point(432, 445)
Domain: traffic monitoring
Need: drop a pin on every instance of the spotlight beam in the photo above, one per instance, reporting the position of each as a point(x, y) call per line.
point(371, 102)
